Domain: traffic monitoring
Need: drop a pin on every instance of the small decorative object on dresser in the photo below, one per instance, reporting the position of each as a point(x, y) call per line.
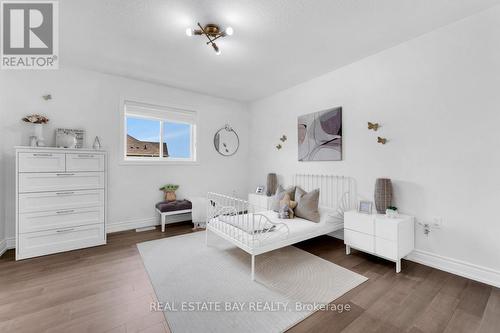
point(383, 194)
point(79, 134)
point(391, 211)
point(365, 207)
point(66, 140)
point(389, 238)
point(169, 191)
point(272, 184)
point(97, 143)
point(259, 189)
point(60, 200)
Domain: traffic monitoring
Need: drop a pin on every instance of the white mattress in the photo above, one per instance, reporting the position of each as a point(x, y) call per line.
point(297, 229)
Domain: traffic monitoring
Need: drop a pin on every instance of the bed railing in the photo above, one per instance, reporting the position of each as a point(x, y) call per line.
point(337, 192)
point(241, 221)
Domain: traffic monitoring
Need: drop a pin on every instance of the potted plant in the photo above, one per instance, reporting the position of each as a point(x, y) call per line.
point(391, 211)
point(169, 191)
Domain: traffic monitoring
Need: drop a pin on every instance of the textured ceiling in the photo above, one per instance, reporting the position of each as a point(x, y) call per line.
point(277, 43)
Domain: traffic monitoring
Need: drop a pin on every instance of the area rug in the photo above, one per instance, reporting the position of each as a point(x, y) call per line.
point(208, 288)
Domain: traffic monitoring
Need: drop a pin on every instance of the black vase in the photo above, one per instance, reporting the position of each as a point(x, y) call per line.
point(272, 184)
point(383, 194)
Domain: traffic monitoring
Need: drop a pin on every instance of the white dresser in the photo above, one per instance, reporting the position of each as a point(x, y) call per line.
point(389, 238)
point(60, 200)
point(259, 202)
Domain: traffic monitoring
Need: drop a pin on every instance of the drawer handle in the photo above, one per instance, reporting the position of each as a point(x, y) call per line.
point(65, 193)
point(66, 230)
point(43, 155)
point(86, 156)
point(65, 174)
point(68, 211)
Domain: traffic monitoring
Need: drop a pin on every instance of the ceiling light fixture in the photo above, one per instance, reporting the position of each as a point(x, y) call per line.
point(212, 32)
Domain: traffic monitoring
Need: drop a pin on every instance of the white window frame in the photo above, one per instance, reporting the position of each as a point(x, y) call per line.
point(162, 114)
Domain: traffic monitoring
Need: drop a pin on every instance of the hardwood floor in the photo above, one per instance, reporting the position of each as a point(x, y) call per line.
point(106, 289)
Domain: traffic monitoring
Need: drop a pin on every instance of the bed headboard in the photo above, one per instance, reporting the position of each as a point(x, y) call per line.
point(334, 191)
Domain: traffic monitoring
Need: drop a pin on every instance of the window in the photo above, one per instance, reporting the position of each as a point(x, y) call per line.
point(155, 133)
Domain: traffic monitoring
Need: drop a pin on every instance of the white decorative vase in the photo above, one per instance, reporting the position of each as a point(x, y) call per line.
point(40, 141)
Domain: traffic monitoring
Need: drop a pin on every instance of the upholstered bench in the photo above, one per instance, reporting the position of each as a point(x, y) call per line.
point(168, 208)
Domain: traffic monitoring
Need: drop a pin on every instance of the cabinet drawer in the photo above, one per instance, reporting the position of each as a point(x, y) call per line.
point(41, 182)
point(63, 218)
point(84, 162)
point(386, 248)
point(41, 162)
point(359, 222)
point(359, 240)
point(387, 229)
point(40, 202)
point(59, 240)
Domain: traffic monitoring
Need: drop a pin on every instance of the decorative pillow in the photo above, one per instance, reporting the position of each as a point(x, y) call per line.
point(307, 204)
point(280, 193)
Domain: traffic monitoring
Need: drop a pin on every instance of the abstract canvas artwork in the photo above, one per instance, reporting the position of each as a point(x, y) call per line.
point(320, 135)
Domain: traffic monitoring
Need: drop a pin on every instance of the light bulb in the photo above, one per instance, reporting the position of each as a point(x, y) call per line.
point(229, 31)
point(189, 32)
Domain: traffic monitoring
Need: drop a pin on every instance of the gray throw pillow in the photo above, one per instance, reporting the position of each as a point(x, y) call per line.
point(307, 204)
point(280, 193)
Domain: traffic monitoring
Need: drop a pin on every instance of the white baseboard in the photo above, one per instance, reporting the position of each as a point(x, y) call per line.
point(144, 223)
point(3, 246)
point(7, 244)
point(458, 267)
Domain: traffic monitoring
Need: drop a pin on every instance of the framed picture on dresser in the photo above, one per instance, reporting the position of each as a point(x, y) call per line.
point(365, 207)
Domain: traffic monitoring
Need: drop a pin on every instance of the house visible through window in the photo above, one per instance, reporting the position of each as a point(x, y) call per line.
point(154, 133)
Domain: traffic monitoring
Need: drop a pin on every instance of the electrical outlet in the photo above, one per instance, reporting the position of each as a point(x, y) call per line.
point(437, 222)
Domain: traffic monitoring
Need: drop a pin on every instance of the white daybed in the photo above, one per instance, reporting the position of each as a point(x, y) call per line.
point(257, 232)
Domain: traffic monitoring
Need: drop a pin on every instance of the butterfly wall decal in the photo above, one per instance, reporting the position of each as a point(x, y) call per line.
point(373, 126)
point(279, 146)
point(283, 138)
point(381, 140)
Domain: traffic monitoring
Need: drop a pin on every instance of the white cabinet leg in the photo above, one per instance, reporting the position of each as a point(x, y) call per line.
point(398, 266)
point(253, 267)
point(347, 249)
point(163, 217)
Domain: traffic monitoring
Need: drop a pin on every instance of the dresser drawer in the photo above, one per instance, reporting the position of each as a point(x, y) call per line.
point(386, 228)
point(386, 248)
point(359, 222)
point(41, 182)
point(59, 240)
point(41, 162)
point(359, 240)
point(84, 162)
point(45, 201)
point(62, 218)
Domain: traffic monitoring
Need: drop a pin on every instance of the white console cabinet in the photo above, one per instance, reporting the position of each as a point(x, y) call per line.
point(389, 238)
point(60, 200)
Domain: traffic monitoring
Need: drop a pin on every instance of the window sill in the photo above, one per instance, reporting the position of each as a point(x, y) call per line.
point(158, 162)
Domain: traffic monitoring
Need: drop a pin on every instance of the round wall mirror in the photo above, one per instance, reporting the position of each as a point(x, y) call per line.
point(226, 141)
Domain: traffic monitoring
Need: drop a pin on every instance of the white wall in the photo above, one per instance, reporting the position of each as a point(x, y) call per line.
point(437, 99)
point(89, 100)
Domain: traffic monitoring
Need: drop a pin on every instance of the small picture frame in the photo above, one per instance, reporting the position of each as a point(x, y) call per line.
point(259, 189)
point(365, 207)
